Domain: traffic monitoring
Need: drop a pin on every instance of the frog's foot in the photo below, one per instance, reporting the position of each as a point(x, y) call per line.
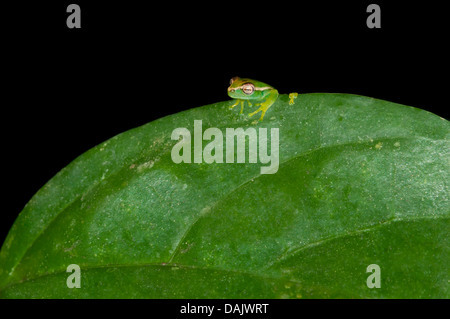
point(262, 110)
point(263, 107)
point(292, 97)
point(253, 113)
point(236, 103)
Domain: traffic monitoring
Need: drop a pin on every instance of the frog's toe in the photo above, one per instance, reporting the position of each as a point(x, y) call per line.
point(253, 113)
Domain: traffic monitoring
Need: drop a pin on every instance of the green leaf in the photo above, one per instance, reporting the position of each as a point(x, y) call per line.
point(361, 181)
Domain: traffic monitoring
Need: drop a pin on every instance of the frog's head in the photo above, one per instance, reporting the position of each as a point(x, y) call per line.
point(242, 89)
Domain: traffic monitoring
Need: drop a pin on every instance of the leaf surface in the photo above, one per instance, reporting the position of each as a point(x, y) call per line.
point(361, 181)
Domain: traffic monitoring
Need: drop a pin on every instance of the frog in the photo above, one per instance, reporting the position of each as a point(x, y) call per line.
point(262, 94)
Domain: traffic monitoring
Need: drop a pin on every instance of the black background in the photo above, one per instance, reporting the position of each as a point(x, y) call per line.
point(67, 90)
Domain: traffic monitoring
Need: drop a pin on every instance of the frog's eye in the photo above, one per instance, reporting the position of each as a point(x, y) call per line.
point(248, 88)
point(233, 79)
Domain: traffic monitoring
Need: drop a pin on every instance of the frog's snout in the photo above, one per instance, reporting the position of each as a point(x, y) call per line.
point(230, 89)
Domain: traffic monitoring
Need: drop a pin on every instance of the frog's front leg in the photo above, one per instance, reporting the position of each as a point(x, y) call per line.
point(242, 105)
point(235, 103)
point(264, 106)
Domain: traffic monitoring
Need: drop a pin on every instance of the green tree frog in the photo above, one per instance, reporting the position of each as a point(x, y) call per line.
point(250, 90)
